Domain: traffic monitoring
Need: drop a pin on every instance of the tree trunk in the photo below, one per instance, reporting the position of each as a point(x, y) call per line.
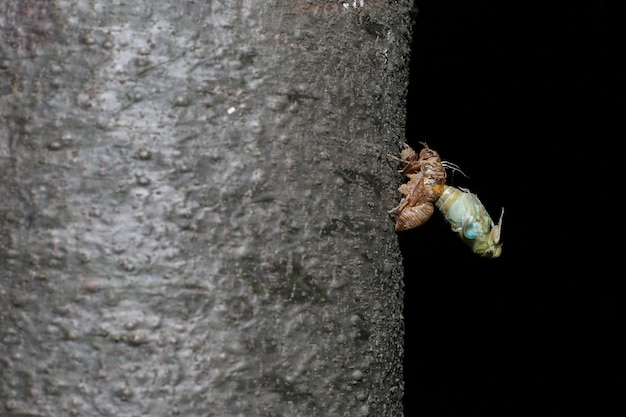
point(193, 215)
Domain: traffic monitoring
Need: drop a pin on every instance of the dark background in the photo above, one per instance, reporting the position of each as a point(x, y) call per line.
point(525, 98)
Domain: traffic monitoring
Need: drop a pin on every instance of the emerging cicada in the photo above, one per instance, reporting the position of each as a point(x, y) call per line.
point(427, 177)
point(469, 218)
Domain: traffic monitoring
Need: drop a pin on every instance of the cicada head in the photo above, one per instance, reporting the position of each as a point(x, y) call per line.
point(490, 246)
point(429, 154)
point(487, 249)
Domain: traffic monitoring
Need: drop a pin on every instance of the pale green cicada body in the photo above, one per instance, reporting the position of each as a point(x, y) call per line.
point(469, 219)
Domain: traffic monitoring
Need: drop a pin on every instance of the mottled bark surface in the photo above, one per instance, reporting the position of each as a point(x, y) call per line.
point(193, 207)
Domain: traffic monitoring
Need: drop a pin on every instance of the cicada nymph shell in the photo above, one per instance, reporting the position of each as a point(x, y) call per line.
point(427, 177)
point(469, 219)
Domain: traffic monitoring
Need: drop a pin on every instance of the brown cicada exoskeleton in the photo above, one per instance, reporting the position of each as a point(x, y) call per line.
point(427, 177)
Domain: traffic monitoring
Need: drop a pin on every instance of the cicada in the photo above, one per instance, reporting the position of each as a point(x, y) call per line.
point(427, 177)
point(469, 219)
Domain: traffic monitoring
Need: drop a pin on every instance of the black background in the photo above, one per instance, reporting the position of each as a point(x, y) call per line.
point(524, 97)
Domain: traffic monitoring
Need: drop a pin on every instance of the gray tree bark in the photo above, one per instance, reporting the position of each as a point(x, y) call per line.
point(193, 207)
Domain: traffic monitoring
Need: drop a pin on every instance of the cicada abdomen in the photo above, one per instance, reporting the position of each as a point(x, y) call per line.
point(469, 219)
point(427, 177)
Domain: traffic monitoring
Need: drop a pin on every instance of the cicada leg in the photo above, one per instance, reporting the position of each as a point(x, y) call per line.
point(496, 231)
point(407, 190)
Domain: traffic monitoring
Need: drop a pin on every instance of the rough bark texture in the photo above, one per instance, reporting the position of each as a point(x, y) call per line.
point(193, 207)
